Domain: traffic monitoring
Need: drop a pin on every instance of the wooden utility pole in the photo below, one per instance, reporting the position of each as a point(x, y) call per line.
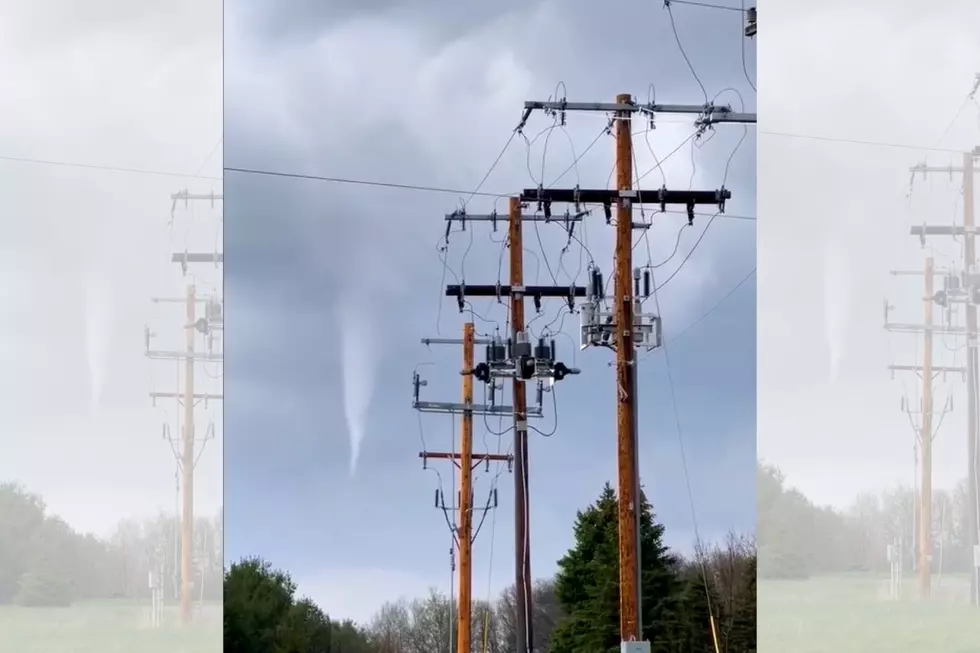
point(925, 439)
point(466, 461)
point(625, 360)
point(522, 545)
point(516, 360)
point(187, 461)
point(617, 329)
point(188, 398)
point(969, 268)
point(464, 534)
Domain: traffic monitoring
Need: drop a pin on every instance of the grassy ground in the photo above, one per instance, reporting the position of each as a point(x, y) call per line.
point(855, 615)
point(107, 627)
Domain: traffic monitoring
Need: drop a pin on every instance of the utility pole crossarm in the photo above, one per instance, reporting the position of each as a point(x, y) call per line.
point(454, 341)
point(197, 257)
point(179, 300)
point(900, 327)
point(605, 196)
point(477, 458)
point(180, 395)
point(184, 355)
point(942, 369)
point(939, 272)
point(460, 290)
point(494, 218)
point(707, 113)
point(185, 196)
point(515, 291)
point(942, 230)
point(476, 409)
point(923, 168)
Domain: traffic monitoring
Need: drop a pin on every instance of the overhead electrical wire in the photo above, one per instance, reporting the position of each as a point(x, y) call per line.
point(706, 5)
point(680, 46)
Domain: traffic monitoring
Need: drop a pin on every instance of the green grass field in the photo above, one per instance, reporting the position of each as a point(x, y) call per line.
point(855, 615)
point(107, 627)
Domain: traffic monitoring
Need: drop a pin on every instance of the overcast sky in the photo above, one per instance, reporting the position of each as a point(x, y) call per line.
point(835, 218)
point(112, 84)
point(427, 94)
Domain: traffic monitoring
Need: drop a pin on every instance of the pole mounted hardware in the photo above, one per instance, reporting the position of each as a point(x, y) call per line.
point(507, 359)
point(751, 22)
point(598, 324)
point(707, 114)
point(456, 408)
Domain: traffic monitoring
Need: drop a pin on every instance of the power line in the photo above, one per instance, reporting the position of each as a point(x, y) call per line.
point(289, 175)
point(854, 141)
point(430, 189)
point(434, 189)
point(680, 46)
point(367, 182)
point(714, 307)
point(207, 160)
point(703, 316)
point(706, 5)
point(105, 168)
point(684, 465)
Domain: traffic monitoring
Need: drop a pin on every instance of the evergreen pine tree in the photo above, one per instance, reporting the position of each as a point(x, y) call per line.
point(741, 637)
point(587, 583)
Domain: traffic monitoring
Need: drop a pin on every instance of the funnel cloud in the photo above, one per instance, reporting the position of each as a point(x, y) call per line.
point(835, 300)
point(358, 359)
point(96, 336)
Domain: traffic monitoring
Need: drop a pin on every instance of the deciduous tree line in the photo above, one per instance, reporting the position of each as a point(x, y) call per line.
point(798, 538)
point(577, 610)
point(46, 562)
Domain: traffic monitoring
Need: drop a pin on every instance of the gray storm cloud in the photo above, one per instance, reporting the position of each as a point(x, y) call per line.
point(359, 360)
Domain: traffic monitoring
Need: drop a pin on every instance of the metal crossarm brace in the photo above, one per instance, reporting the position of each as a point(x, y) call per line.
point(477, 409)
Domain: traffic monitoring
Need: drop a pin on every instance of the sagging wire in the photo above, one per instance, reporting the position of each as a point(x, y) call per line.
point(443, 253)
point(450, 521)
point(689, 253)
point(745, 130)
point(493, 487)
point(659, 165)
point(554, 429)
point(518, 129)
point(673, 26)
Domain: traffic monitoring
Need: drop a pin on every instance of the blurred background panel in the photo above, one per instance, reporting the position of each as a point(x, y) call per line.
point(111, 111)
point(867, 411)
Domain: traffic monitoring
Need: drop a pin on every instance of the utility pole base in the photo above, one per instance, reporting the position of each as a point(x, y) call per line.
point(634, 647)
